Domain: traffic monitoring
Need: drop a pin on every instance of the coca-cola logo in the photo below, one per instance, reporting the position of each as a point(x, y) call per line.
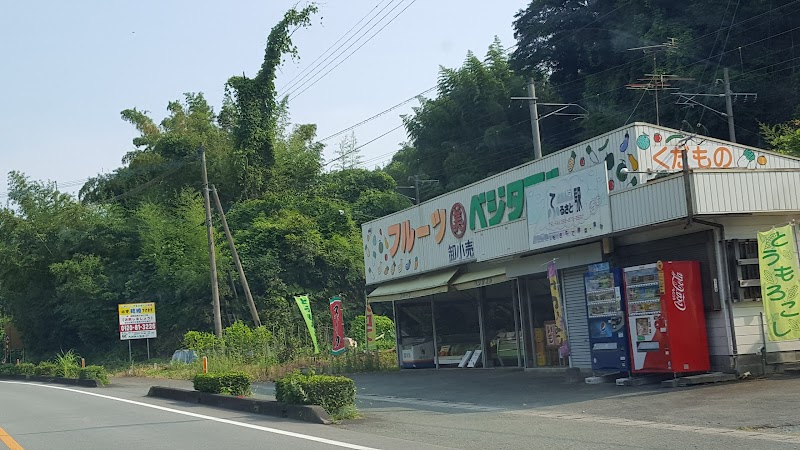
point(678, 291)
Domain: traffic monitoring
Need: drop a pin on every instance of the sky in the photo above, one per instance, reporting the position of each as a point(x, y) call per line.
point(69, 68)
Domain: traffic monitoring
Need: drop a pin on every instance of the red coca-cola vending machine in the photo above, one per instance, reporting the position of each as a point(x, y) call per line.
point(666, 318)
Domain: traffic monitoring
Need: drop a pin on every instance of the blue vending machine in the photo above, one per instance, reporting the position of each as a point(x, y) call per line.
point(605, 306)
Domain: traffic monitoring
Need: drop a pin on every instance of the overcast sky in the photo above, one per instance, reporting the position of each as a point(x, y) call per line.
point(69, 68)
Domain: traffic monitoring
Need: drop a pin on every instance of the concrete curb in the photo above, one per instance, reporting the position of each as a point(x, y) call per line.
point(57, 380)
point(307, 413)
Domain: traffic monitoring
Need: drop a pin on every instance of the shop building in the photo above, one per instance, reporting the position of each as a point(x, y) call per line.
point(467, 270)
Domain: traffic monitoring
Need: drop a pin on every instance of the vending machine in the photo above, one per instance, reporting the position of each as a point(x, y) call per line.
point(666, 320)
point(605, 307)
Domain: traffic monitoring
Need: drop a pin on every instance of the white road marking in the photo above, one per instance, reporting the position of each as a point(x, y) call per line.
point(205, 417)
point(744, 434)
point(432, 403)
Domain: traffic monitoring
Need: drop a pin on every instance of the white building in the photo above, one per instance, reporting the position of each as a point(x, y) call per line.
point(467, 270)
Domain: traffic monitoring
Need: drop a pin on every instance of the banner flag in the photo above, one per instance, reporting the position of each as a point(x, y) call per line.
point(558, 311)
point(305, 310)
point(337, 317)
point(370, 323)
point(780, 282)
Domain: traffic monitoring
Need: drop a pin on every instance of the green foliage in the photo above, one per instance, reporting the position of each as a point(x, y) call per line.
point(48, 369)
point(383, 326)
point(68, 364)
point(94, 373)
point(202, 342)
point(359, 361)
point(17, 369)
point(582, 48)
point(784, 138)
point(330, 392)
point(253, 104)
point(230, 383)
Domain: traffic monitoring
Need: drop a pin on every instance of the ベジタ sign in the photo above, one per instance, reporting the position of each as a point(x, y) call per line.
point(137, 321)
point(569, 208)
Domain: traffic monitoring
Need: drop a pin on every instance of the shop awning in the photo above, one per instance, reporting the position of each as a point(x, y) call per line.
point(481, 278)
point(430, 284)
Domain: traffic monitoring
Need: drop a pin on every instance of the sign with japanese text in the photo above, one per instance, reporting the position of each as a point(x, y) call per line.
point(304, 304)
point(560, 330)
point(337, 317)
point(137, 321)
point(569, 208)
point(488, 219)
point(780, 282)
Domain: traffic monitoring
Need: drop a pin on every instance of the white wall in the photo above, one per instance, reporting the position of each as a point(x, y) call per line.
point(749, 337)
point(717, 330)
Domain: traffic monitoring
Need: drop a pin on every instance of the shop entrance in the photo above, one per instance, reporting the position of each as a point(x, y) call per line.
point(502, 325)
point(541, 322)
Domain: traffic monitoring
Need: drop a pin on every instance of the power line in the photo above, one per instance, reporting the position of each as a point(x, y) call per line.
point(356, 149)
point(311, 66)
point(351, 53)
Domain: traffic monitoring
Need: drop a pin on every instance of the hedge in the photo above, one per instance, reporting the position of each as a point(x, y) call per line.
point(48, 369)
point(94, 373)
point(230, 383)
point(330, 392)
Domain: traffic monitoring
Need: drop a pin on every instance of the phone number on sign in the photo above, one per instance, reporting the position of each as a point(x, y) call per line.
point(137, 327)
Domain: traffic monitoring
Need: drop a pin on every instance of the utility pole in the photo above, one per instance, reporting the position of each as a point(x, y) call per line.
point(211, 252)
point(537, 139)
point(729, 105)
point(533, 105)
point(417, 184)
point(689, 99)
point(236, 260)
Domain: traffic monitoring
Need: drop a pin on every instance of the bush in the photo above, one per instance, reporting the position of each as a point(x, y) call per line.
point(289, 389)
point(47, 369)
point(94, 373)
point(6, 369)
point(383, 326)
point(331, 392)
point(229, 383)
point(25, 368)
point(202, 343)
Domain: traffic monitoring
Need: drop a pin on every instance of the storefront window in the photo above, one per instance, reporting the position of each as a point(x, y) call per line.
point(457, 328)
point(415, 331)
point(501, 326)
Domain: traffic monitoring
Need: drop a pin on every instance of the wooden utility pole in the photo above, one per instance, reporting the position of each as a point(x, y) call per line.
point(212, 256)
point(236, 260)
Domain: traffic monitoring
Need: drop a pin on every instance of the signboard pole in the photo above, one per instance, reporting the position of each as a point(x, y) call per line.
point(130, 353)
point(148, 349)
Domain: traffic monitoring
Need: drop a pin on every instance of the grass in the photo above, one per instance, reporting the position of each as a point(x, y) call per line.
point(348, 412)
point(350, 362)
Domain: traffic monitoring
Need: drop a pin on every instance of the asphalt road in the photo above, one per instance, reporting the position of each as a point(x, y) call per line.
point(463, 411)
point(36, 416)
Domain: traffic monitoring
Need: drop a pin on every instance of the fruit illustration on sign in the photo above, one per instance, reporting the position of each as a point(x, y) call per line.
point(609, 161)
point(571, 162)
point(624, 146)
point(583, 161)
point(610, 185)
point(643, 141)
point(657, 137)
point(633, 161)
point(762, 160)
point(621, 175)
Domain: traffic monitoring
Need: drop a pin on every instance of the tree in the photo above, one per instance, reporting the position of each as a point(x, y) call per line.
point(348, 156)
point(254, 106)
point(582, 48)
point(784, 138)
point(471, 129)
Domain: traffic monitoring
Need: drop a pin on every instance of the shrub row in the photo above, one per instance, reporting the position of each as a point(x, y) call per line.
point(229, 383)
point(330, 392)
point(51, 369)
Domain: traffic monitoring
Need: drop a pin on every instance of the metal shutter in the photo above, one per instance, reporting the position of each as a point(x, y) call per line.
point(577, 323)
point(688, 247)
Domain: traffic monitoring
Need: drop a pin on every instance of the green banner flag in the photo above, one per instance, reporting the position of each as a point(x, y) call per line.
point(305, 310)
